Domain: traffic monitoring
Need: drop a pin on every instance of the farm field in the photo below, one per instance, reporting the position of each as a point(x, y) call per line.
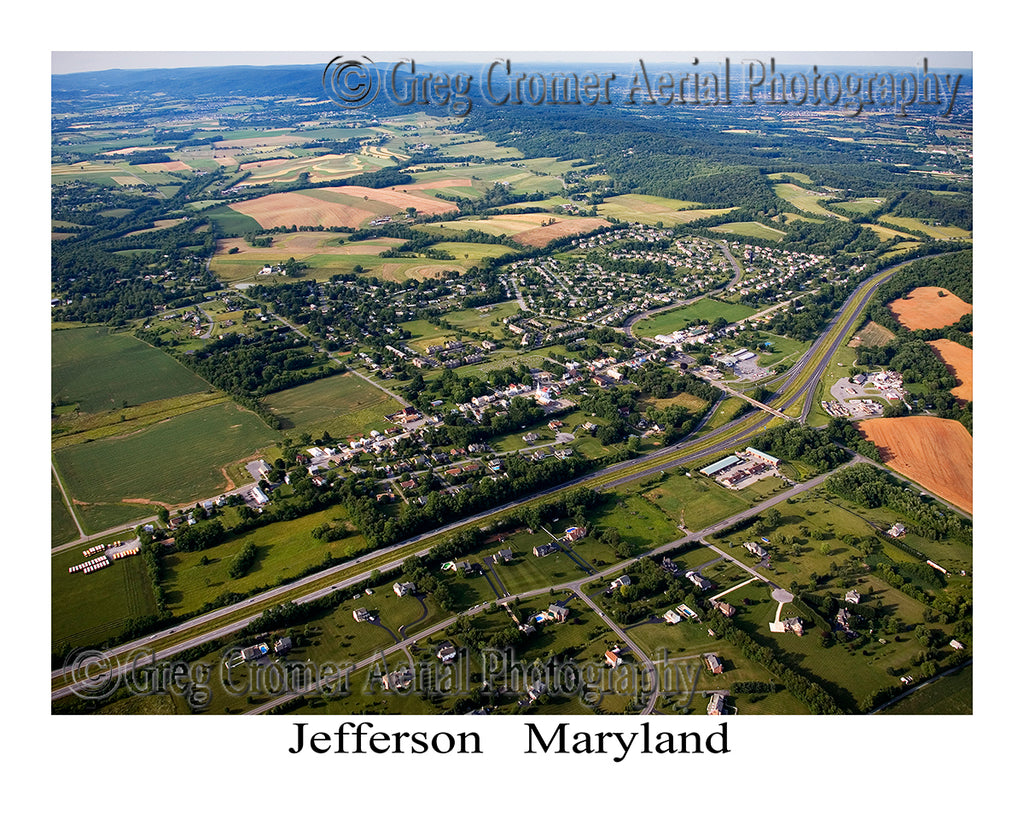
point(650, 210)
point(351, 206)
point(62, 527)
point(99, 370)
point(935, 452)
point(703, 310)
point(344, 405)
point(959, 360)
point(940, 232)
point(808, 201)
point(753, 229)
point(924, 309)
point(88, 609)
point(174, 462)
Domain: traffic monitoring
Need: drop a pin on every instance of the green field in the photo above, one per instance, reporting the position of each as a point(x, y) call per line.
point(940, 232)
point(755, 230)
point(805, 200)
point(88, 609)
point(695, 501)
point(703, 310)
point(62, 527)
point(953, 694)
point(344, 405)
point(284, 549)
point(176, 461)
point(99, 370)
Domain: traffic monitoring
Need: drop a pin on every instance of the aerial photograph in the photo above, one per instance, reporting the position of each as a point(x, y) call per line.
point(512, 384)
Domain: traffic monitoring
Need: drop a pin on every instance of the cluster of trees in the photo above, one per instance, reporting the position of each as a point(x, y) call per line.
point(794, 442)
point(243, 561)
point(874, 488)
point(257, 364)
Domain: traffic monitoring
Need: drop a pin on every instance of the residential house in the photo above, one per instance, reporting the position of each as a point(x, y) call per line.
point(716, 705)
point(446, 652)
point(402, 589)
point(558, 613)
point(714, 665)
point(543, 550)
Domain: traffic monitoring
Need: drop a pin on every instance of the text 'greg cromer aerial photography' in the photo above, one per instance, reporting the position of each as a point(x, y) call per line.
point(437, 385)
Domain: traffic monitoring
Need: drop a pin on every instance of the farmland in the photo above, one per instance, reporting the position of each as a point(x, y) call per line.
point(935, 452)
point(179, 460)
point(959, 360)
point(344, 405)
point(924, 308)
point(99, 370)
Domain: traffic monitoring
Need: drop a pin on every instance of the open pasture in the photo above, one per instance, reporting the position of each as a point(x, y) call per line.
point(805, 200)
point(344, 405)
point(755, 230)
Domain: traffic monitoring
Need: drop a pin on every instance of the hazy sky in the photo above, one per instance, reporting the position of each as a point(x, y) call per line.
point(66, 62)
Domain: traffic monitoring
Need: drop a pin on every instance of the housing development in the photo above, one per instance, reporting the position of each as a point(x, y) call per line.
point(531, 410)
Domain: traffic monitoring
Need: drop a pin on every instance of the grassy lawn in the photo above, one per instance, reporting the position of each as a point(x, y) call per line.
point(953, 694)
point(695, 502)
point(176, 461)
point(99, 370)
point(344, 405)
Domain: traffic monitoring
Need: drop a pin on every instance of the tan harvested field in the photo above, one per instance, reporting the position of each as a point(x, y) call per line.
point(225, 160)
point(284, 209)
point(176, 165)
point(136, 149)
point(924, 309)
point(437, 183)
point(400, 200)
point(541, 236)
point(872, 335)
point(959, 360)
point(263, 163)
point(937, 453)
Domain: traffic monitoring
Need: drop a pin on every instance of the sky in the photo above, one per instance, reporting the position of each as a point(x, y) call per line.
point(66, 62)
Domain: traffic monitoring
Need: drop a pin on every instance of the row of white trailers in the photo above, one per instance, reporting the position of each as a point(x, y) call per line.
point(102, 561)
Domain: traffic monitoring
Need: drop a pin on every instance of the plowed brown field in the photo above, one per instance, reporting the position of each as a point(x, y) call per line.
point(959, 360)
point(924, 309)
point(937, 453)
